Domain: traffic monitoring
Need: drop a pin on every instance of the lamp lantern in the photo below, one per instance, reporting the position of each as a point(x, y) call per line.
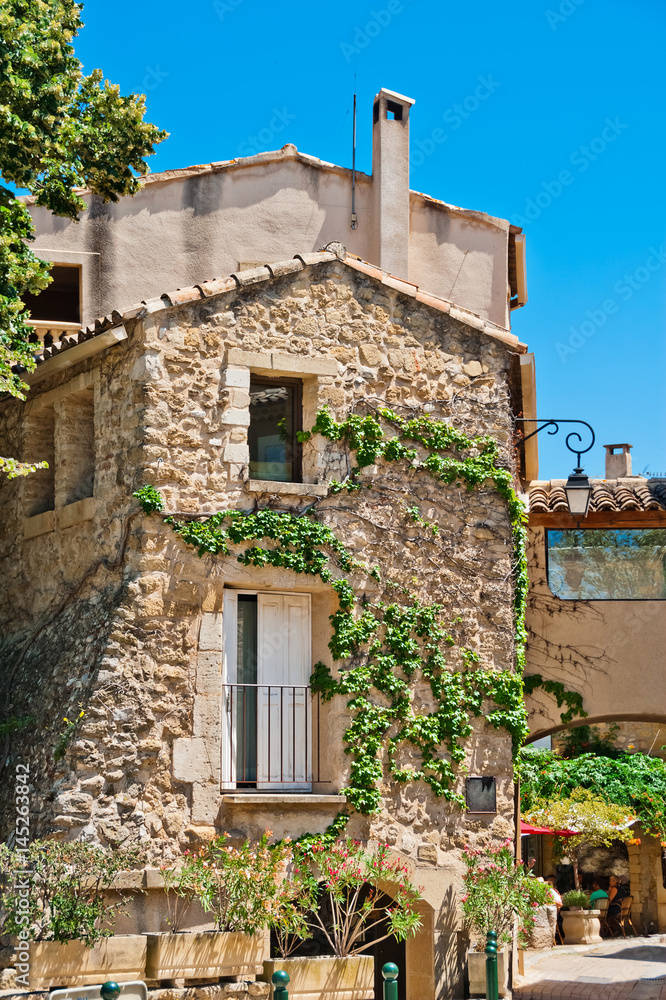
point(578, 490)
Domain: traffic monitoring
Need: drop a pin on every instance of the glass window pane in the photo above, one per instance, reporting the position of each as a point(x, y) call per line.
point(246, 692)
point(271, 436)
point(612, 564)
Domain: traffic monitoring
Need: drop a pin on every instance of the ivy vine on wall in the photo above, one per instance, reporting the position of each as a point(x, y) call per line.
point(390, 644)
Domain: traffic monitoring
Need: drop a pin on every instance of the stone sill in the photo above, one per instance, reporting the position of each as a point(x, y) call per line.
point(61, 517)
point(288, 489)
point(297, 799)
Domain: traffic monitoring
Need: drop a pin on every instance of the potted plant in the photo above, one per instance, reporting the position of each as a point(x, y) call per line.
point(55, 899)
point(580, 923)
point(497, 890)
point(236, 885)
point(353, 899)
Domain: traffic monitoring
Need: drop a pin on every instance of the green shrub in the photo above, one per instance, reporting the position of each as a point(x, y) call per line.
point(575, 898)
point(54, 891)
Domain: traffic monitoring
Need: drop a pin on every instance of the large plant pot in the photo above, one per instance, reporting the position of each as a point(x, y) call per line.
point(205, 955)
point(323, 978)
point(581, 926)
point(69, 963)
point(476, 969)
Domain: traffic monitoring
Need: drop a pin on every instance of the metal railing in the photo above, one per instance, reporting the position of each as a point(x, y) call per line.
point(270, 736)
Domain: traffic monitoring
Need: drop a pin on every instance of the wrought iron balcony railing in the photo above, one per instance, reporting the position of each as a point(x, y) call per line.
point(270, 737)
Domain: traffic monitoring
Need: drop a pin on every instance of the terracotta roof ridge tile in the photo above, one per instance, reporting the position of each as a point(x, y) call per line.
point(334, 251)
point(630, 493)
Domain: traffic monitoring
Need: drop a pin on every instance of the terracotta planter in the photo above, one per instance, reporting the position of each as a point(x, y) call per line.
point(69, 963)
point(205, 955)
point(476, 969)
point(581, 926)
point(324, 978)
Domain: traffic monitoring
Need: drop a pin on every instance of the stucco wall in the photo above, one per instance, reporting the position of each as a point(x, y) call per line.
point(123, 619)
point(611, 652)
point(180, 231)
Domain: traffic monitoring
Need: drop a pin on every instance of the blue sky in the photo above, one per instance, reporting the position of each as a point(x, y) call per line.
point(568, 141)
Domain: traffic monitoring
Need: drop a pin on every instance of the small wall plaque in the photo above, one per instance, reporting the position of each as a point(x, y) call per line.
point(481, 795)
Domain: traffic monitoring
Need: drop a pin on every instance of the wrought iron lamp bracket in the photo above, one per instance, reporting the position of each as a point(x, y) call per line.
point(552, 426)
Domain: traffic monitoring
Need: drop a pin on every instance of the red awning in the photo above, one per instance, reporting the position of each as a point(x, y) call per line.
point(526, 829)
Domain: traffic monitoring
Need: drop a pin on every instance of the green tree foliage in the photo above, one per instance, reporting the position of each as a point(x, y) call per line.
point(634, 781)
point(596, 820)
point(59, 130)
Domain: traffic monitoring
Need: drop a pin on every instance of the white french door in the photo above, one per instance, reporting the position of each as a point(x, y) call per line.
point(267, 716)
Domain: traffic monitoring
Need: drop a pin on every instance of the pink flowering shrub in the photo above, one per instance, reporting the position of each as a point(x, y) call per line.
point(369, 895)
point(240, 886)
point(497, 889)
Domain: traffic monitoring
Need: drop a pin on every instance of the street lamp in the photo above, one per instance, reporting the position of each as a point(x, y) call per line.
point(578, 487)
point(578, 490)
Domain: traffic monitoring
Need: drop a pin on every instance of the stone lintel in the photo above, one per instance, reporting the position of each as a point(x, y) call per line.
point(278, 363)
point(292, 489)
point(39, 524)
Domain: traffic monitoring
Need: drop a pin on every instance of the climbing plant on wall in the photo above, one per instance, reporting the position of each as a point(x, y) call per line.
point(387, 645)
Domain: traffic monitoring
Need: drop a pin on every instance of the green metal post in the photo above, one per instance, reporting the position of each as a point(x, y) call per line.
point(390, 974)
point(109, 990)
point(492, 989)
point(279, 980)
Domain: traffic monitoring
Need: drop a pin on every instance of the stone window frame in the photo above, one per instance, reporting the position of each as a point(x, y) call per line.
point(197, 759)
point(276, 364)
point(65, 513)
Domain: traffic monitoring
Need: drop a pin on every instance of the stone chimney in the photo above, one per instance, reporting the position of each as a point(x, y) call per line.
point(390, 182)
point(618, 466)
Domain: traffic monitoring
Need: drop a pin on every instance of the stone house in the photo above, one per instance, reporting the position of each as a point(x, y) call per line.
point(107, 608)
point(194, 672)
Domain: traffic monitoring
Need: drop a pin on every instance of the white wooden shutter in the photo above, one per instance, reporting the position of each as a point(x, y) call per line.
point(284, 717)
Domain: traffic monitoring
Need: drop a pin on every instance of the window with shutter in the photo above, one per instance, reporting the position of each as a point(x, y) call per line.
point(267, 710)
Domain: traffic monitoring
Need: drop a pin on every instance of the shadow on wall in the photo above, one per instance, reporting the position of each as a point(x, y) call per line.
point(451, 945)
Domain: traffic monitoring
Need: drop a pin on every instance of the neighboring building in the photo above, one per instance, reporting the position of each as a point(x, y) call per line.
point(186, 226)
point(200, 392)
point(597, 625)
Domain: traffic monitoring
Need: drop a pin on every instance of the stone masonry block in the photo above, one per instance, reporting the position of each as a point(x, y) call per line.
point(237, 453)
point(237, 417)
point(251, 359)
point(206, 721)
point(210, 631)
point(209, 672)
point(304, 366)
point(191, 761)
point(206, 802)
point(238, 378)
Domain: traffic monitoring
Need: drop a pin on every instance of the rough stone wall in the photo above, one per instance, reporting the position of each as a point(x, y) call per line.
point(172, 410)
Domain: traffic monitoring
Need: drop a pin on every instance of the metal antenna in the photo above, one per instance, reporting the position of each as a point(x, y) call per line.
point(354, 220)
